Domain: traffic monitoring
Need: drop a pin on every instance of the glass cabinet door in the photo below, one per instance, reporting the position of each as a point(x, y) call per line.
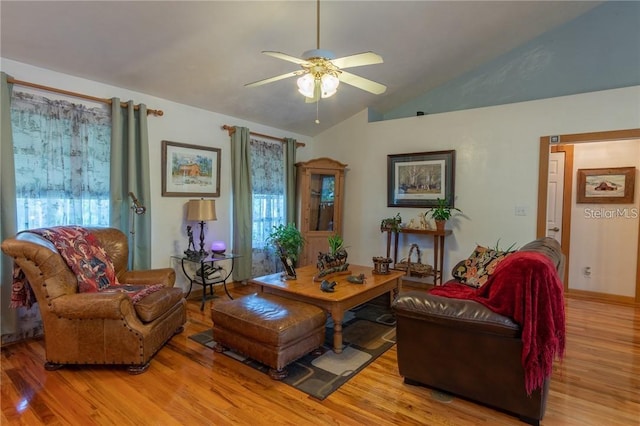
point(322, 202)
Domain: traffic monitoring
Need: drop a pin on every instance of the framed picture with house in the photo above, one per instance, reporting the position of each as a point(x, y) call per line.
point(190, 170)
point(610, 185)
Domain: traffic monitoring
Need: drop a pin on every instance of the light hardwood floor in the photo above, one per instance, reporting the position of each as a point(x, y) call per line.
point(598, 383)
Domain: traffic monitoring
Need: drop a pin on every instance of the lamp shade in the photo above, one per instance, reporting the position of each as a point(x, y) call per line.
point(306, 85)
point(329, 85)
point(201, 210)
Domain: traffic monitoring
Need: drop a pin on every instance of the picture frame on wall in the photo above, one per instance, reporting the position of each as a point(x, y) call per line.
point(190, 170)
point(420, 179)
point(609, 185)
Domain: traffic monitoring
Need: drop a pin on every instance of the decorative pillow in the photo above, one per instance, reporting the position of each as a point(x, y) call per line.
point(475, 270)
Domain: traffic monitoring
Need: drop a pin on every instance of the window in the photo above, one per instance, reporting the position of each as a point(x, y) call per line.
point(268, 200)
point(62, 160)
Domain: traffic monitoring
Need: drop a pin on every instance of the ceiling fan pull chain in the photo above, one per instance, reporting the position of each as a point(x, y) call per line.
point(317, 108)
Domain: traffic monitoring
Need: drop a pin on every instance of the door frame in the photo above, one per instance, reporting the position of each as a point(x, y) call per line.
point(562, 143)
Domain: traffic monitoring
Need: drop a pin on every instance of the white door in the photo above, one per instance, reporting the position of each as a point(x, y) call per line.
point(554, 195)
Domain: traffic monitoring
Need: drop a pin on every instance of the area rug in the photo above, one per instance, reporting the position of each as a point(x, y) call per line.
point(368, 331)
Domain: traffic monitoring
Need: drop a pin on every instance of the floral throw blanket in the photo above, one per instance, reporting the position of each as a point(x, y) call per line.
point(86, 258)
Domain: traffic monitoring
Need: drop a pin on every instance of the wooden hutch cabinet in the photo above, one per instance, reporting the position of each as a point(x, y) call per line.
point(320, 193)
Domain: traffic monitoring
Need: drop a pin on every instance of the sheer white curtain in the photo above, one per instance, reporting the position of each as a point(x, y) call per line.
point(62, 159)
point(268, 202)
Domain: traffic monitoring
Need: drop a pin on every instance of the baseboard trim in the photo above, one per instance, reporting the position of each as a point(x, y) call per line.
point(601, 297)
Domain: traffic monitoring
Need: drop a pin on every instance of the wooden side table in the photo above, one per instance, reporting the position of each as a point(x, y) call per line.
point(438, 247)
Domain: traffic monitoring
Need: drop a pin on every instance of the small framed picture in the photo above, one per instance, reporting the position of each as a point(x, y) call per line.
point(290, 270)
point(613, 185)
point(420, 179)
point(190, 170)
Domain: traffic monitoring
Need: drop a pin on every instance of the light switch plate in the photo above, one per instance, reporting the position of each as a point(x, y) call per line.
point(521, 210)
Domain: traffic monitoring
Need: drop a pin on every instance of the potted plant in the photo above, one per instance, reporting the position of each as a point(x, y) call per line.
point(336, 259)
point(391, 223)
point(337, 249)
point(287, 239)
point(335, 243)
point(441, 213)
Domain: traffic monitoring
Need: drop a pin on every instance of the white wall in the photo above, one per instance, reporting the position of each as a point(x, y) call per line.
point(180, 123)
point(604, 236)
point(496, 168)
point(497, 151)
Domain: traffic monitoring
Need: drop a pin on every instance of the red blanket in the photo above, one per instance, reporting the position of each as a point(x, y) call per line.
point(88, 260)
point(526, 288)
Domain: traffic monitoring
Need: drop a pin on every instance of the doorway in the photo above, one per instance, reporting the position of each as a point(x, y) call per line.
point(565, 143)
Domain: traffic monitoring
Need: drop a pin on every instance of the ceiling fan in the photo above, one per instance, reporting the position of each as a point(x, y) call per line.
point(322, 72)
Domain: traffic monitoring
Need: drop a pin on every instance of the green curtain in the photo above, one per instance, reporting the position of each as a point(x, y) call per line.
point(242, 207)
point(8, 216)
point(130, 173)
point(290, 179)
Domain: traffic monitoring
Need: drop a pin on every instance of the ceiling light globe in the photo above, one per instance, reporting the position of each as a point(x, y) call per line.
point(306, 85)
point(329, 85)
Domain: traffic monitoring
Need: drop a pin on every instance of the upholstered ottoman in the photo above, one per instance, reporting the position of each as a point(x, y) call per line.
point(269, 329)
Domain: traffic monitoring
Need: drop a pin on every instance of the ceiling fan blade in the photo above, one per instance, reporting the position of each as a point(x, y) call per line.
point(357, 60)
point(284, 57)
point(362, 83)
point(272, 79)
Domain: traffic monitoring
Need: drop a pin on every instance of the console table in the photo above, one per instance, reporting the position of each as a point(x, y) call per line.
point(199, 276)
point(438, 247)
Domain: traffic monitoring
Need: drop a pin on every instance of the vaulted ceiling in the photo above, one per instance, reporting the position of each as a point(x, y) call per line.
point(203, 53)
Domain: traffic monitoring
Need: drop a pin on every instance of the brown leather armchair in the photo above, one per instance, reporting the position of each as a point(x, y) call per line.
point(104, 327)
point(463, 348)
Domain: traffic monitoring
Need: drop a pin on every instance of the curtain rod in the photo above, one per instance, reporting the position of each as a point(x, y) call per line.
point(232, 130)
point(155, 112)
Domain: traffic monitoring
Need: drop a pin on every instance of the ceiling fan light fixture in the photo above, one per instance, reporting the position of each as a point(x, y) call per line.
point(306, 85)
point(329, 85)
point(322, 72)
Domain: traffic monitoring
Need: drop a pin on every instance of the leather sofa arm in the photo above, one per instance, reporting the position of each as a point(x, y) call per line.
point(164, 276)
point(550, 248)
point(459, 313)
point(93, 306)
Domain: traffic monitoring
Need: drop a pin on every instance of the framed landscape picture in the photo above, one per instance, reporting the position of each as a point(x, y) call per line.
point(613, 185)
point(419, 179)
point(190, 170)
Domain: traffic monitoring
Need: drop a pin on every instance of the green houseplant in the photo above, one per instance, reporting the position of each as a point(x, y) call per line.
point(391, 223)
point(441, 213)
point(335, 243)
point(288, 240)
point(336, 259)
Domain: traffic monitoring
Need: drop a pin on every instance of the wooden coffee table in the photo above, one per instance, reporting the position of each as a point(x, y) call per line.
point(346, 296)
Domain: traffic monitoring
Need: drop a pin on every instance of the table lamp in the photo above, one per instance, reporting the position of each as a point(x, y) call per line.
point(200, 211)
